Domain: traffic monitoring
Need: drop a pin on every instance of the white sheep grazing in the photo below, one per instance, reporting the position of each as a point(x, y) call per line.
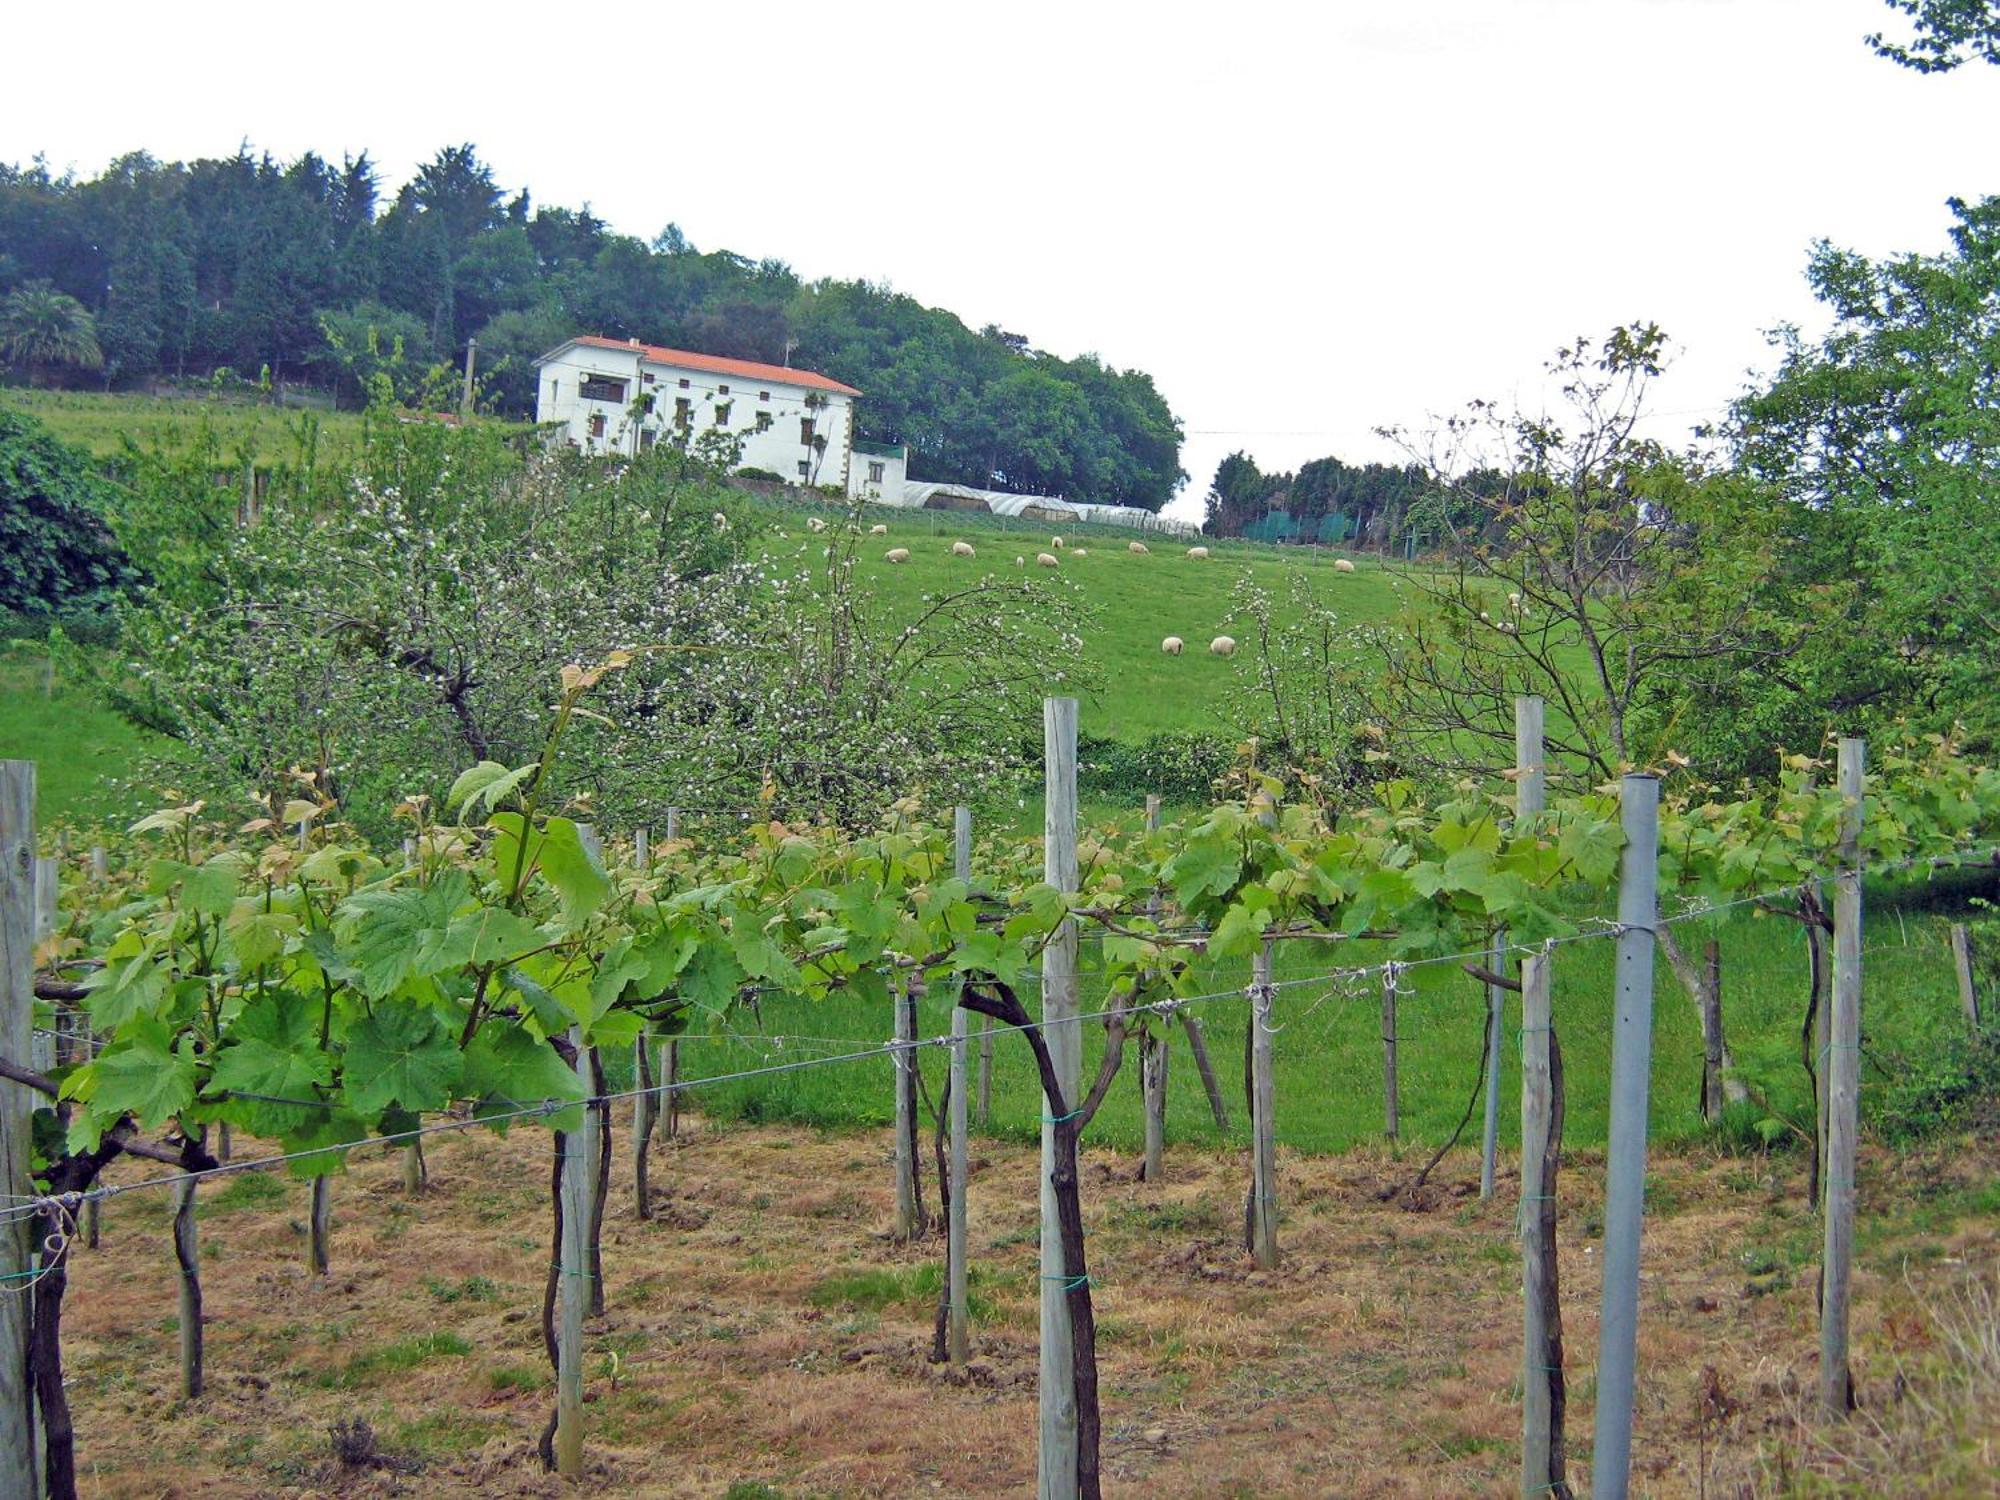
point(897, 555)
point(1342, 565)
point(1045, 559)
point(1137, 549)
point(1020, 562)
point(1223, 645)
point(814, 523)
point(1080, 552)
point(1056, 542)
point(961, 549)
point(1197, 552)
point(1172, 645)
point(878, 531)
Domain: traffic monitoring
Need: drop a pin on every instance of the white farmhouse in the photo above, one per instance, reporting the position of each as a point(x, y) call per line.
point(619, 396)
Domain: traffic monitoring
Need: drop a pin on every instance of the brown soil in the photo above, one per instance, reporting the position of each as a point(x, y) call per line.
point(743, 1344)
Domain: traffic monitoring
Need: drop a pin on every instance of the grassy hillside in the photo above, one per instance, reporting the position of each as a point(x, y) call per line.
point(1138, 600)
point(102, 423)
point(87, 759)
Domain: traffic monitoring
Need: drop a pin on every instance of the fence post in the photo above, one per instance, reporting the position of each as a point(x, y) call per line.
point(187, 1257)
point(1843, 1089)
point(1392, 1116)
point(579, 1180)
point(19, 1430)
point(1263, 1217)
point(1968, 984)
point(1153, 1053)
point(909, 1212)
point(42, 1052)
point(673, 824)
point(1625, 1177)
point(1711, 1032)
point(1543, 1395)
point(413, 1151)
point(983, 1109)
point(642, 850)
point(957, 1334)
point(320, 1226)
point(1056, 1456)
point(100, 864)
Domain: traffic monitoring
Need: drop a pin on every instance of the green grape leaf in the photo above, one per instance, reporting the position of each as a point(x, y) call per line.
point(124, 990)
point(325, 1139)
point(567, 866)
point(1205, 866)
point(402, 932)
point(273, 1051)
point(140, 1074)
point(508, 1068)
point(258, 936)
point(400, 1055)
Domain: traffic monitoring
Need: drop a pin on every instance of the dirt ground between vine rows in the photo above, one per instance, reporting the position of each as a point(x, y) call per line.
point(763, 1330)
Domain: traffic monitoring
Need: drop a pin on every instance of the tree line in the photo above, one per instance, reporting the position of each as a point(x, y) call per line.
point(307, 271)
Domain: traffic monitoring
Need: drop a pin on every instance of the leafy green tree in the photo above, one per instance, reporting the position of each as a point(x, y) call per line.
point(1947, 34)
point(57, 555)
point(47, 331)
point(1887, 430)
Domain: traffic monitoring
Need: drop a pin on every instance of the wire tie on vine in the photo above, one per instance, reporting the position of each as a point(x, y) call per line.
point(1071, 1283)
point(1061, 1119)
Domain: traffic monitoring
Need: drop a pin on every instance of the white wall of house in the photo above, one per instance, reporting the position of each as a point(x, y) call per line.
point(878, 476)
point(590, 389)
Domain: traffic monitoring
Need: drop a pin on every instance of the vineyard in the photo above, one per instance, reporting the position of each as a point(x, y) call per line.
point(228, 1000)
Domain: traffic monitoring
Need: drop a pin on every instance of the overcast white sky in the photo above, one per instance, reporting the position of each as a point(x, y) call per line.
point(1304, 220)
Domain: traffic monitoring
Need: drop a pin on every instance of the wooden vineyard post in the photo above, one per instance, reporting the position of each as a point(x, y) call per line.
point(1711, 1032)
point(579, 1179)
point(1843, 1090)
point(1198, 1047)
point(1056, 1451)
point(670, 1087)
point(1263, 1215)
point(983, 1112)
point(957, 1333)
point(1153, 1055)
point(1392, 1121)
point(19, 1476)
point(1968, 983)
point(642, 851)
point(1543, 1392)
point(645, 1111)
point(673, 824)
point(909, 1210)
point(100, 864)
point(48, 874)
point(187, 1259)
point(320, 1227)
point(1625, 1175)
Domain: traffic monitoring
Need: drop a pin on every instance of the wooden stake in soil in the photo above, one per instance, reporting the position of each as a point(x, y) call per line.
point(320, 1229)
point(187, 1258)
point(1968, 983)
point(1543, 1393)
point(1843, 1091)
point(1153, 1055)
point(671, 1087)
point(957, 1332)
point(909, 1209)
point(48, 874)
point(579, 1175)
point(1263, 1215)
point(1392, 1120)
point(1625, 1175)
point(100, 864)
point(19, 1478)
point(1056, 1455)
point(1198, 1047)
point(645, 1111)
point(1711, 1033)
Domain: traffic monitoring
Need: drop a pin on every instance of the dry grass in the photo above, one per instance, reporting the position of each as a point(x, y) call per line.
point(763, 1331)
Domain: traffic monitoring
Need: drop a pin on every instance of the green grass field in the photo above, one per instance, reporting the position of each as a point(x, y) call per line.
point(246, 430)
point(87, 760)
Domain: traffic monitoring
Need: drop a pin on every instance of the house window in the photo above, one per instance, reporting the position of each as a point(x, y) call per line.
point(602, 388)
point(806, 430)
point(554, 386)
point(763, 421)
point(722, 390)
point(646, 438)
point(684, 382)
point(648, 377)
point(722, 414)
point(874, 473)
point(597, 425)
point(683, 411)
point(763, 395)
point(802, 468)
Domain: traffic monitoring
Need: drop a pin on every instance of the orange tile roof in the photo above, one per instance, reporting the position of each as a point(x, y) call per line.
point(749, 369)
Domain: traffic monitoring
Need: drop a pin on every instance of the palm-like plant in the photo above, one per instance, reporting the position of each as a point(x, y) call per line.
point(44, 329)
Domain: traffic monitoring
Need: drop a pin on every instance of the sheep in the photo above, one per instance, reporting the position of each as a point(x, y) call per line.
point(1197, 552)
point(1172, 645)
point(721, 521)
point(814, 523)
point(1080, 552)
point(878, 531)
point(1020, 562)
point(897, 555)
point(1137, 549)
point(1056, 543)
point(1045, 559)
point(1223, 645)
point(1342, 565)
point(962, 549)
